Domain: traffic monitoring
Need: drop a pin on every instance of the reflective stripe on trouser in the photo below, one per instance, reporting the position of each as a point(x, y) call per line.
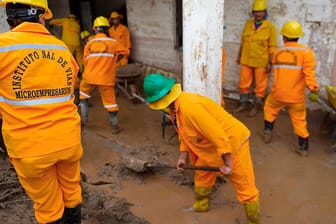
point(107, 94)
point(242, 176)
point(259, 75)
point(297, 112)
point(52, 181)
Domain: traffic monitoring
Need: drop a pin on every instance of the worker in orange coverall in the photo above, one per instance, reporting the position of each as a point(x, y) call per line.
point(120, 33)
point(70, 35)
point(257, 45)
point(294, 69)
point(41, 125)
point(211, 137)
point(100, 58)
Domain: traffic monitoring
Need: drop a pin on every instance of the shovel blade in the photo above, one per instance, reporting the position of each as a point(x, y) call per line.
point(133, 163)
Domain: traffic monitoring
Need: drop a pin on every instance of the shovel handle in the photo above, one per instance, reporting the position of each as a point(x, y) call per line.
point(205, 168)
point(186, 167)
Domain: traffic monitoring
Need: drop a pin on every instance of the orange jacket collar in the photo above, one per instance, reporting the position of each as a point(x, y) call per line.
point(31, 28)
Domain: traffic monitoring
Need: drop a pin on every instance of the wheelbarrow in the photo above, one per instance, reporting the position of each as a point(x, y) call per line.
point(126, 79)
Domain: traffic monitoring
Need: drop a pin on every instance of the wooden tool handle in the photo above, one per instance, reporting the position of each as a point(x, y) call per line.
point(186, 167)
point(205, 168)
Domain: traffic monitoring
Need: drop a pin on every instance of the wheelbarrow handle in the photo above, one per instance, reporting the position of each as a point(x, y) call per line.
point(186, 167)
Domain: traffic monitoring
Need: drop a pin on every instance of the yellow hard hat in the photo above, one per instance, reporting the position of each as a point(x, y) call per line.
point(292, 29)
point(101, 21)
point(165, 101)
point(115, 15)
point(38, 3)
point(259, 5)
point(84, 34)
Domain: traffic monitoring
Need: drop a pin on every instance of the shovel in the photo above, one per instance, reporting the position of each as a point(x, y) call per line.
point(139, 165)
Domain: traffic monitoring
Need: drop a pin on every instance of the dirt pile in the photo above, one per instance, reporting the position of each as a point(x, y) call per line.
point(15, 206)
point(99, 207)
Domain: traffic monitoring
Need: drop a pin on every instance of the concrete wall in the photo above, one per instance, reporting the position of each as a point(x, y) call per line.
point(3, 23)
point(317, 17)
point(152, 26)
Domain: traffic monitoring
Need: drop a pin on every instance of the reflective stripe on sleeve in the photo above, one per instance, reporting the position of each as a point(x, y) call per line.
point(32, 46)
point(36, 102)
point(294, 67)
point(99, 55)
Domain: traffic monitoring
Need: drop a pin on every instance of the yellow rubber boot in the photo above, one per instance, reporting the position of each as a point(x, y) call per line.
point(252, 211)
point(202, 196)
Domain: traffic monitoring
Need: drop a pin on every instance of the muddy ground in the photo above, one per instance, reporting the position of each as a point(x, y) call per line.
point(292, 189)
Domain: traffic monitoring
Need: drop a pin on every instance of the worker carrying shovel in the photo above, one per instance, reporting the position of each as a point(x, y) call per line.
point(211, 137)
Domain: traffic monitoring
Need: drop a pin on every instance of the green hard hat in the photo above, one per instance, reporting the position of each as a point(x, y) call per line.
point(157, 86)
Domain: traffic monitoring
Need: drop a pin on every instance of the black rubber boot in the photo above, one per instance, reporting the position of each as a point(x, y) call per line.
point(302, 149)
point(243, 103)
point(257, 106)
point(72, 215)
point(114, 123)
point(268, 132)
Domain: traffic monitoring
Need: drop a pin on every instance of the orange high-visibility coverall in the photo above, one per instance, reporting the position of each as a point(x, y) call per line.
point(256, 47)
point(207, 132)
point(294, 69)
point(41, 126)
point(70, 36)
point(122, 35)
point(100, 69)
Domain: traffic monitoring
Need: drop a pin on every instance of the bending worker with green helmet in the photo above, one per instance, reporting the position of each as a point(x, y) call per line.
point(211, 137)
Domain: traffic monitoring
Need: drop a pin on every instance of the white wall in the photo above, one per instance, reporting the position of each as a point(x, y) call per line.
point(317, 17)
point(152, 27)
point(3, 23)
point(202, 58)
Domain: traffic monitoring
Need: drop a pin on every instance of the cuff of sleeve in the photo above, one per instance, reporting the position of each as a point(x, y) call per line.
point(183, 150)
point(222, 151)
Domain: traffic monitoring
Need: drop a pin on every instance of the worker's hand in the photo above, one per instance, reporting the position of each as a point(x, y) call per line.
point(313, 97)
point(226, 170)
point(180, 164)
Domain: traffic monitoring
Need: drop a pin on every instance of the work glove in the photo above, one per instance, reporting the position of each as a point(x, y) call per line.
point(313, 97)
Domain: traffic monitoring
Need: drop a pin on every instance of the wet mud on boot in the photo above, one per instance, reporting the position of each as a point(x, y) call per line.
point(267, 133)
point(302, 147)
point(243, 104)
point(114, 123)
point(257, 106)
